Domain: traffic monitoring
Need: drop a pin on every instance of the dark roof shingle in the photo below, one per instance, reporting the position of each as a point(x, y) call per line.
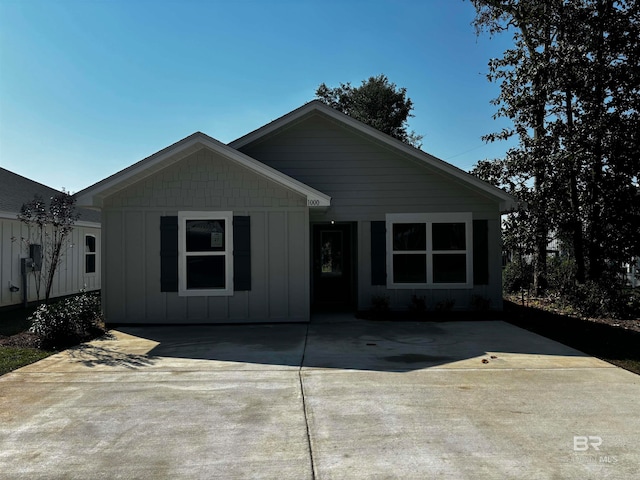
point(16, 190)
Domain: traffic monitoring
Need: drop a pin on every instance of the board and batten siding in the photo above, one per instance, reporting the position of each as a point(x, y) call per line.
point(205, 181)
point(70, 276)
point(366, 180)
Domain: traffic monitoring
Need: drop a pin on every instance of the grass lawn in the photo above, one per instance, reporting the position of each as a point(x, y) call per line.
point(12, 358)
point(614, 344)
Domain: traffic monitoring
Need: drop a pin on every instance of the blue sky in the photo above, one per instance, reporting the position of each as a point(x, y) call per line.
point(89, 87)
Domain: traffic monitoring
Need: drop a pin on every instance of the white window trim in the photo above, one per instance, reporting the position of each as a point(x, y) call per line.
point(429, 219)
point(95, 255)
point(182, 254)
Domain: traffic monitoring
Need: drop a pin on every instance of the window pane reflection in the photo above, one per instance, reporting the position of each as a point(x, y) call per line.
point(449, 236)
point(450, 268)
point(205, 235)
point(331, 253)
point(409, 236)
point(206, 271)
point(409, 268)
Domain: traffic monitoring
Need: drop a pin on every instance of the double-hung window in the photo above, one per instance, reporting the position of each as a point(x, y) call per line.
point(429, 250)
point(205, 246)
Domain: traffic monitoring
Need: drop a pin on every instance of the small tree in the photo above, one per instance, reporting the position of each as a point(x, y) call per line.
point(49, 227)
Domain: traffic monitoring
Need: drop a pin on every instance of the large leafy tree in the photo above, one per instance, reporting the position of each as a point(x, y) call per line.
point(524, 74)
point(377, 102)
point(571, 86)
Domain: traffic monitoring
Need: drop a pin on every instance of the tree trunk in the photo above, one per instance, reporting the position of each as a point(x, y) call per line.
point(576, 223)
point(540, 152)
point(596, 260)
point(55, 260)
point(541, 236)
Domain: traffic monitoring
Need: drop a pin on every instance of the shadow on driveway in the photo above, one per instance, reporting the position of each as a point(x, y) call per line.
point(323, 400)
point(351, 345)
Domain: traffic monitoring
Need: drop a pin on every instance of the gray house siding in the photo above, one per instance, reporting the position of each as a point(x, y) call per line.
point(368, 180)
point(206, 181)
point(364, 179)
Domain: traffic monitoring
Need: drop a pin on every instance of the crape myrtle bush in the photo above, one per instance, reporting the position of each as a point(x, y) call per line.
point(68, 322)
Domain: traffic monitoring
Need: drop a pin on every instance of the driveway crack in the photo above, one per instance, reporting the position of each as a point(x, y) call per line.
point(304, 405)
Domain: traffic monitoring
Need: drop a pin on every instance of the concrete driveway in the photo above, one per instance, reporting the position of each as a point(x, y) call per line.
point(338, 398)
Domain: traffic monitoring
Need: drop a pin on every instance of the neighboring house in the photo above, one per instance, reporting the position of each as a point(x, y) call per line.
point(313, 210)
point(80, 264)
point(632, 273)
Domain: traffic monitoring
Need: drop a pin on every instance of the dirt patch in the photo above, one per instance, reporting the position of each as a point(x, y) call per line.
point(21, 340)
point(513, 302)
point(615, 341)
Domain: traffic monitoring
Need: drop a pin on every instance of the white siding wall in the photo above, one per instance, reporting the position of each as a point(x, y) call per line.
point(70, 275)
point(201, 182)
point(367, 180)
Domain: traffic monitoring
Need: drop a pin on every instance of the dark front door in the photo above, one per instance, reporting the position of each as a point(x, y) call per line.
point(333, 269)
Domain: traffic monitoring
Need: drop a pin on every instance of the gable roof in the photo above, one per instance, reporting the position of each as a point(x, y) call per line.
point(316, 107)
point(94, 195)
point(16, 190)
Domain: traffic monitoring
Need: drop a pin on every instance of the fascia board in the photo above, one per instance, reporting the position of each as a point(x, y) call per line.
point(277, 124)
point(9, 215)
point(82, 223)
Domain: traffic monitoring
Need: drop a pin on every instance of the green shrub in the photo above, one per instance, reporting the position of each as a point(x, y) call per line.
point(604, 299)
point(418, 304)
point(634, 303)
point(68, 322)
point(561, 276)
point(517, 276)
point(379, 307)
point(445, 305)
point(380, 303)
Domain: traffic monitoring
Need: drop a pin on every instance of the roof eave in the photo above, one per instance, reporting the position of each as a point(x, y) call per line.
point(506, 201)
point(94, 195)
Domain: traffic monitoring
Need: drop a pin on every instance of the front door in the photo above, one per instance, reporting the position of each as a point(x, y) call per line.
point(333, 269)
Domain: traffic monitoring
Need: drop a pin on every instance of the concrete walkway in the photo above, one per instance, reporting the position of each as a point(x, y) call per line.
point(338, 398)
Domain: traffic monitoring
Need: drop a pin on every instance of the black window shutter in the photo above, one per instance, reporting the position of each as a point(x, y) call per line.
point(241, 253)
point(480, 252)
point(378, 253)
point(168, 254)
